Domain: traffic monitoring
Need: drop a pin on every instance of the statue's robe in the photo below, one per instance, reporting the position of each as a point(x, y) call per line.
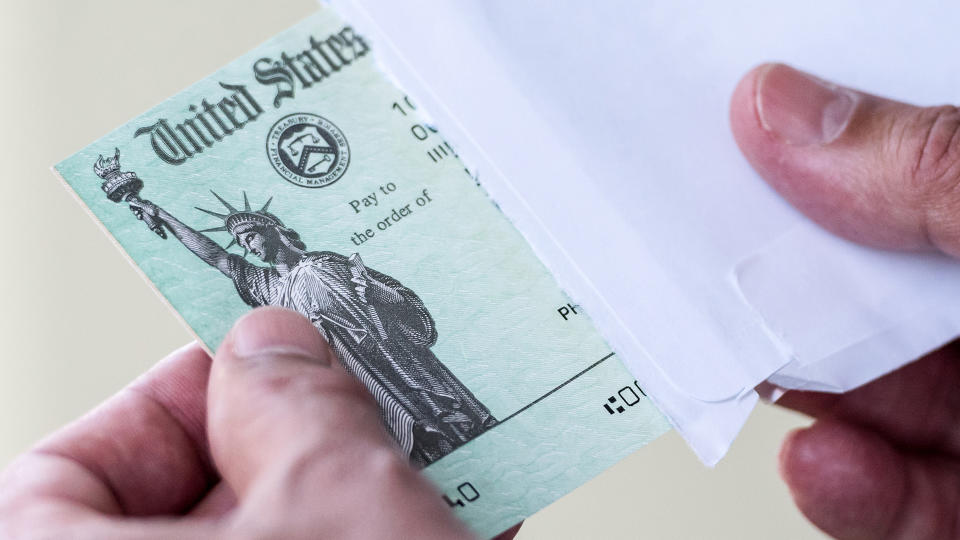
point(384, 342)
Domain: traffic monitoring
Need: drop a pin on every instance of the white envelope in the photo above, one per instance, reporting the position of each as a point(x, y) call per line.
point(601, 130)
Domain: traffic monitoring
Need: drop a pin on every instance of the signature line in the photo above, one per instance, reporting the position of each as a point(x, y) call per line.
point(564, 383)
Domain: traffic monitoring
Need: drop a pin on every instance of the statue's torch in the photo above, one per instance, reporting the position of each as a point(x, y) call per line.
point(124, 186)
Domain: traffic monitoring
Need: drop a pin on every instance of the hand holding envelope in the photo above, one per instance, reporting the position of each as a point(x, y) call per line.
point(882, 459)
point(704, 282)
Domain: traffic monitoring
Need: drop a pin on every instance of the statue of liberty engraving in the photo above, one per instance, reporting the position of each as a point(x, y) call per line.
point(380, 330)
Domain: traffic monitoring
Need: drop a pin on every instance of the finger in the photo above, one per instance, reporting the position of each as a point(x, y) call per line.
point(854, 484)
point(915, 406)
point(144, 451)
point(299, 439)
point(217, 503)
point(510, 533)
point(874, 170)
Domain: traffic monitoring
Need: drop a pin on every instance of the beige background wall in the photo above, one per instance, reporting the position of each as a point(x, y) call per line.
point(77, 323)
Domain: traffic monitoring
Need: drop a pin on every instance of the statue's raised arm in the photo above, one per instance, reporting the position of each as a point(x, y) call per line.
point(202, 246)
point(125, 187)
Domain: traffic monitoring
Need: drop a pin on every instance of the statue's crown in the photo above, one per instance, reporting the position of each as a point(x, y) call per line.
point(236, 220)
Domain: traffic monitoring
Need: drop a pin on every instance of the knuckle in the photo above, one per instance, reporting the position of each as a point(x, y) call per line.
point(936, 151)
point(387, 466)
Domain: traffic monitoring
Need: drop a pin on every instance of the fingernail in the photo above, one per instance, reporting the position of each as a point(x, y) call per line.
point(272, 332)
point(801, 109)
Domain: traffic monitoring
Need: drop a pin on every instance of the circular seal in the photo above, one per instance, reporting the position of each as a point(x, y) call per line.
point(308, 150)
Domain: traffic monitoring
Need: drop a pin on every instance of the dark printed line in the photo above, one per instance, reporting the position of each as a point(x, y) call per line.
point(531, 404)
point(545, 396)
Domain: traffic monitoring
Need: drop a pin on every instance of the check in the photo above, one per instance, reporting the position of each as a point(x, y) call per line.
point(300, 176)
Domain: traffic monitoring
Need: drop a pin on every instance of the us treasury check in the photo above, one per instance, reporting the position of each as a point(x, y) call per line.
point(300, 176)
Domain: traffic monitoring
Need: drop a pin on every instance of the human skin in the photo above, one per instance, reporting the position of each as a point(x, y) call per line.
point(882, 461)
point(283, 443)
point(269, 439)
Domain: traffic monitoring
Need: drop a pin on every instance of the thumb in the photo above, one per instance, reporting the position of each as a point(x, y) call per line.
point(874, 170)
point(299, 440)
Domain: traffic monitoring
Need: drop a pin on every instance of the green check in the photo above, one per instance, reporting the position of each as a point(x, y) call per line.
point(300, 176)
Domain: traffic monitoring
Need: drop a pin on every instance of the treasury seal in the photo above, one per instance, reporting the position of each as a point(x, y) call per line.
point(308, 150)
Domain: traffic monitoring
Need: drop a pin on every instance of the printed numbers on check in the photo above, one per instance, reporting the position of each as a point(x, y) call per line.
point(465, 493)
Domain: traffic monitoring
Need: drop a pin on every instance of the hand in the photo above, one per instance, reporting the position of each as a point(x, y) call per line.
point(141, 208)
point(148, 213)
point(363, 281)
point(360, 276)
point(272, 439)
point(384, 292)
point(882, 461)
point(360, 287)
